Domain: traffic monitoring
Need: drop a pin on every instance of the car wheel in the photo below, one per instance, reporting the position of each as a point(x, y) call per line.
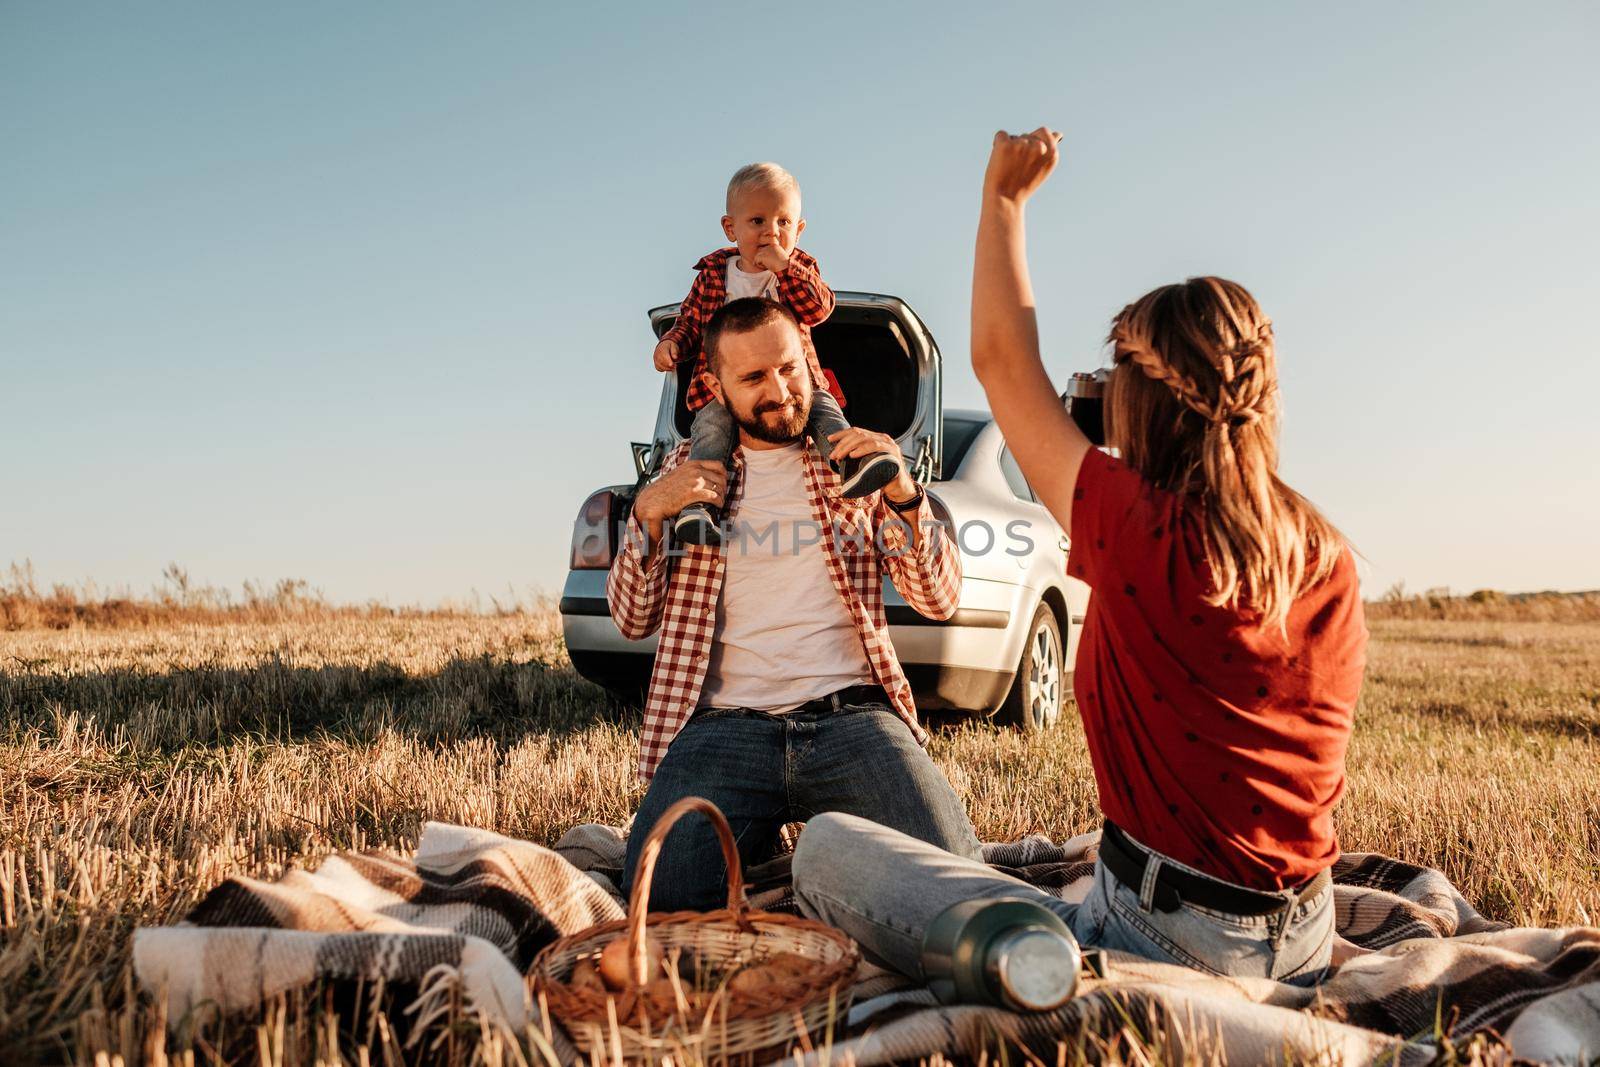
point(1034, 703)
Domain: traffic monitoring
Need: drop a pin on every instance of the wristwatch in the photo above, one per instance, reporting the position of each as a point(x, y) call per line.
point(909, 505)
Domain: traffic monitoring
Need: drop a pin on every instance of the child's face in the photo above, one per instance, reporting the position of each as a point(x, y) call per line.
point(760, 217)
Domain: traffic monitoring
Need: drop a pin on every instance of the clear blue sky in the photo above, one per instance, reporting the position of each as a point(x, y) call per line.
point(355, 292)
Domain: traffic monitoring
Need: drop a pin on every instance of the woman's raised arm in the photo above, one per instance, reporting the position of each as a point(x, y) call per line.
point(1047, 444)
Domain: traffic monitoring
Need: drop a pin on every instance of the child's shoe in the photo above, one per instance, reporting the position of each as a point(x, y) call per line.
point(697, 524)
point(867, 474)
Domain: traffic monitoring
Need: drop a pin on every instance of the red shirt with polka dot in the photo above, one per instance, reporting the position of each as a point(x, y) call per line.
point(1214, 740)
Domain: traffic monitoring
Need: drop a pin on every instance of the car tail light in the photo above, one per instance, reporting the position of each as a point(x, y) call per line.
point(592, 533)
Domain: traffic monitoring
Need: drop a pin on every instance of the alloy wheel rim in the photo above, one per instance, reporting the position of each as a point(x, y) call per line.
point(1044, 677)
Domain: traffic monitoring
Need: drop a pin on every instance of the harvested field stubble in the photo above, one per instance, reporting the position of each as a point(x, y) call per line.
point(144, 763)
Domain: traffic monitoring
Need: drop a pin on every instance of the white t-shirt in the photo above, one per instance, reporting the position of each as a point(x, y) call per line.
point(740, 284)
point(783, 636)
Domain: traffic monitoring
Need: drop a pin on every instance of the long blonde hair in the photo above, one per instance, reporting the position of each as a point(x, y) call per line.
point(1193, 407)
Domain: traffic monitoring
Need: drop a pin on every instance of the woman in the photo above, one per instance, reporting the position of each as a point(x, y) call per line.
point(1222, 654)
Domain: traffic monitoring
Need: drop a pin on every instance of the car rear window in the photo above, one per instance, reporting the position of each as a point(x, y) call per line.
point(958, 437)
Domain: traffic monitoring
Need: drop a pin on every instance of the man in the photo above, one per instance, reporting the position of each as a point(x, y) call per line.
point(776, 693)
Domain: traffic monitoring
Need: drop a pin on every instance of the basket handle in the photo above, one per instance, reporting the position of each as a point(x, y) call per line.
point(639, 901)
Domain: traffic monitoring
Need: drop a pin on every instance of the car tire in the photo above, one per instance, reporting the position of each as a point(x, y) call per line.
point(1039, 688)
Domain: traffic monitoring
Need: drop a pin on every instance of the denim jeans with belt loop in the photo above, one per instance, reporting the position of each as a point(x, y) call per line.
point(764, 770)
point(884, 888)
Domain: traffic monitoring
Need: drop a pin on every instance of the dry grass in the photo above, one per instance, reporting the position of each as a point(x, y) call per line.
point(25, 606)
point(142, 764)
point(1486, 605)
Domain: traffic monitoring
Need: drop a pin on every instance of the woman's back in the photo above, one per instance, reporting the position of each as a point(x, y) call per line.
point(1216, 740)
point(1223, 651)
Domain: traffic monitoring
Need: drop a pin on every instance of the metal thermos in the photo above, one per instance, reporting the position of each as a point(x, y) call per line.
point(1085, 400)
point(1008, 953)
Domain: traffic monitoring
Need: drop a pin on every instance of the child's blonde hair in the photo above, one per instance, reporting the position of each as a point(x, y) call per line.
point(761, 176)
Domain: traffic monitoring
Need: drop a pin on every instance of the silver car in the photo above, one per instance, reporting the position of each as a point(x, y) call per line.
point(1007, 650)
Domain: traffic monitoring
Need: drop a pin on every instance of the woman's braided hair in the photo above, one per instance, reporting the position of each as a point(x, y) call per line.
point(1193, 406)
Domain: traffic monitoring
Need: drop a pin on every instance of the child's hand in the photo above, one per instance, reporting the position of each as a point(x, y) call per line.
point(666, 356)
point(1019, 165)
point(773, 258)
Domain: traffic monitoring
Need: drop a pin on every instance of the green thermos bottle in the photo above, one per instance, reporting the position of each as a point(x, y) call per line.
point(1007, 953)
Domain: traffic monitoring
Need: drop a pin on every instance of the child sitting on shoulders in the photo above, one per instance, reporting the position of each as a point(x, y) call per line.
point(764, 223)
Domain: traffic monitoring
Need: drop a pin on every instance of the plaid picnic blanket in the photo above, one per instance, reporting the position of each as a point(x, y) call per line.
point(465, 915)
point(470, 910)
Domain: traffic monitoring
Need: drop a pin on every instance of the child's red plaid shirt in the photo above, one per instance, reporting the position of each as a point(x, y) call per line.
point(800, 287)
point(678, 594)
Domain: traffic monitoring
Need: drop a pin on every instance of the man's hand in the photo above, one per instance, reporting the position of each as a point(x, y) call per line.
point(1019, 165)
point(856, 442)
point(666, 355)
point(773, 258)
point(693, 481)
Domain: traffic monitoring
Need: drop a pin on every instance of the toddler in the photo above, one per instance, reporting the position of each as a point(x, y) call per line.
point(764, 224)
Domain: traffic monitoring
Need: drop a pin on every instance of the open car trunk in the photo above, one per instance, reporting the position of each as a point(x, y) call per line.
point(887, 366)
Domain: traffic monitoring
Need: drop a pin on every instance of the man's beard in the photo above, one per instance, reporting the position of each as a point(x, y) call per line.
point(788, 428)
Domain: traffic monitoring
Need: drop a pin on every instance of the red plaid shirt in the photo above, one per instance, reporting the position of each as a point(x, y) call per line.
point(678, 594)
point(800, 287)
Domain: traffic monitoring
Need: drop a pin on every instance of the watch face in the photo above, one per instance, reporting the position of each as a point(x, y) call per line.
point(1039, 969)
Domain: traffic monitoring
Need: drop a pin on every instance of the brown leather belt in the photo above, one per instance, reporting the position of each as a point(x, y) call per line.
point(1127, 860)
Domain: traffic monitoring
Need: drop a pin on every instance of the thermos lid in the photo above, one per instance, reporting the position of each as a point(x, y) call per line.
point(1087, 384)
point(1011, 953)
point(1036, 968)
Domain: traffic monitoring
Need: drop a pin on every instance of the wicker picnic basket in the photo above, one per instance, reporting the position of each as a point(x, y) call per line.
point(802, 972)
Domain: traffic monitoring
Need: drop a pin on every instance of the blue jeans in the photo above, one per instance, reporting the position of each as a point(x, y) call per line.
point(765, 770)
point(712, 433)
point(883, 889)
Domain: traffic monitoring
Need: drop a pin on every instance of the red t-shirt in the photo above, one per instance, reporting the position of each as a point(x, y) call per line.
point(1213, 740)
